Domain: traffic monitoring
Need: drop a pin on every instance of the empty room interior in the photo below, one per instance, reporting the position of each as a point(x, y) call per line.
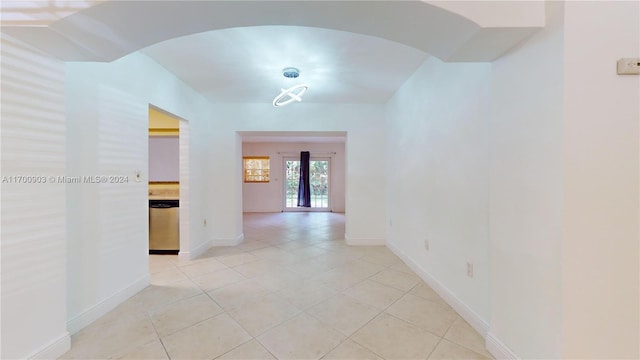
point(320, 179)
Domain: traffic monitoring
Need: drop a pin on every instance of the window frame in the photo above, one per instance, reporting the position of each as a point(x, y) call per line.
point(268, 170)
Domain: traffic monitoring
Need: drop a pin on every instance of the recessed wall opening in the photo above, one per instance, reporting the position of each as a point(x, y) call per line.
point(327, 172)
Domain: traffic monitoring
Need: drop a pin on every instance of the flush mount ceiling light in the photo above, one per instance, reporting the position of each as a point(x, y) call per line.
point(287, 96)
point(290, 72)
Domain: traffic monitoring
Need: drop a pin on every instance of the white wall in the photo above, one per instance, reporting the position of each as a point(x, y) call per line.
point(600, 276)
point(107, 224)
point(34, 251)
point(437, 181)
point(269, 197)
point(526, 194)
point(365, 155)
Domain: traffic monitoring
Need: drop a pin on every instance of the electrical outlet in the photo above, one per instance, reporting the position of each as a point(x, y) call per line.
point(629, 66)
point(469, 269)
point(426, 244)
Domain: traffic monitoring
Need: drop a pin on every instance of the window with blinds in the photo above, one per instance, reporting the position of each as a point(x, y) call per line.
point(256, 169)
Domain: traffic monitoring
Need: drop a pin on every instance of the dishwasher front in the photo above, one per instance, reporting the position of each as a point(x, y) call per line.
point(164, 226)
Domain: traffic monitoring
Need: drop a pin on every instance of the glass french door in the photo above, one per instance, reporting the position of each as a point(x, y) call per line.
point(318, 179)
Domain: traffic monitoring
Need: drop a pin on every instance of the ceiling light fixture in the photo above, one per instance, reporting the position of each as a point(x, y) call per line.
point(290, 72)
point(287, 96)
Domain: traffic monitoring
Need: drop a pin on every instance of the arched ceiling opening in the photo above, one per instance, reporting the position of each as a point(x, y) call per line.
point(108, 30)
point(234, 51)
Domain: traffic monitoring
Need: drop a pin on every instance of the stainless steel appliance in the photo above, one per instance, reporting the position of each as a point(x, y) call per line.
point(164, 226)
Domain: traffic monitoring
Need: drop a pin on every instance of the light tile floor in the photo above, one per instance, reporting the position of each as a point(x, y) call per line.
point(292, 290)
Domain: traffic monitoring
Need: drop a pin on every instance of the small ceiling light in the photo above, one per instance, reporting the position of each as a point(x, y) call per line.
point(287, 96)
point(290, 72)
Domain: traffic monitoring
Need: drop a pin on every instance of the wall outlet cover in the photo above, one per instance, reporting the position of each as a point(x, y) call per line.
point(629, 66)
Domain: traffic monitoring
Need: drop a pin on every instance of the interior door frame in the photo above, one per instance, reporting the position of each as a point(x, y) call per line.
point(329, 184)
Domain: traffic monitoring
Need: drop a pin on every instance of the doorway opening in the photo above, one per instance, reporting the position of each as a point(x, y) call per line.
point(168, 183)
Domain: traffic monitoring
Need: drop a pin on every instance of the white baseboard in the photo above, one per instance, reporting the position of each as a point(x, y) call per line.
point(55, 349)
point(363, 242)
point(458, 305)
point(194, 253)
point(79, 322)
point(229, 242)
point(497, 348)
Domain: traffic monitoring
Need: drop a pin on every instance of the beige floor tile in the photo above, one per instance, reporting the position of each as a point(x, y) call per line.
point(447, 350)
point(341, 248)
point(393, 338)
point(237, 294)
point(218, 279)
point(237, 259)
point(206, 340)
point(302, 337)
point(308, 252)
point(250, 245)
point(343, 313)
point(310, 267)
point(381, 255)
point(151, 351)
point(399, 280)
point(102, 340)
point(463, 334)
point(288, 263)
point(305, 295)
point(334, 259)
point(184, 313)
point(360, 268)
point(277, 280)
point(402, 267)
point(251, 350)
point(167, 276)
point(351, 350)
point(203, 267)
point(130, 309)
point(153, 297)
point(218, 251)
point(336, 279)
point(375, 294)
point(428, 315)
point(268, 252)
point(276, 239)
point(292, 245)
point(262, 314)
point(158, 263)
point(426, 292)
point(257, 268)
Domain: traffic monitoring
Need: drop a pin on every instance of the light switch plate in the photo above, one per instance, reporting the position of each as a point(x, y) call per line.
point(629, 66)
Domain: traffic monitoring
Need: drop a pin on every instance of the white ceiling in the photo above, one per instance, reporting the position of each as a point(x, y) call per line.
point(245, 64)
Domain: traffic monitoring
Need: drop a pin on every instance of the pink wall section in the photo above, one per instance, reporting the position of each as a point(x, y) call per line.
point(268, 197)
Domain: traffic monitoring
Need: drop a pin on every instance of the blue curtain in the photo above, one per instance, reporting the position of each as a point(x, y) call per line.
point(304, 189)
